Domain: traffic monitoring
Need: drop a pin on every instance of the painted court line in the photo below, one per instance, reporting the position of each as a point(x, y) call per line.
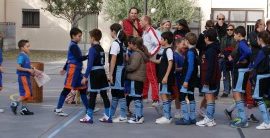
point(65, 124)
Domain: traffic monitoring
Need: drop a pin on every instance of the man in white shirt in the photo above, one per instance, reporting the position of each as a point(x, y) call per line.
point(151, 41)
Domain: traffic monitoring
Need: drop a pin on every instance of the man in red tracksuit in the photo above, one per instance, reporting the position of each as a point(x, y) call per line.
point(131, 25)
point(151, 41)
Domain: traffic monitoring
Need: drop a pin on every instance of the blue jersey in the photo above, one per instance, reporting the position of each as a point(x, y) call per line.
point(74, 55)
point(24, 61)
point(179, 62)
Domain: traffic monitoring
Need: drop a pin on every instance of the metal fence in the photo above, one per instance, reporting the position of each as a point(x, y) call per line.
point(8, 31)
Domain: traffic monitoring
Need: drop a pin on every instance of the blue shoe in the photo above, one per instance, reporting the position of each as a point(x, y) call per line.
point(182, 121)
point(238, 123)
point(192, 121)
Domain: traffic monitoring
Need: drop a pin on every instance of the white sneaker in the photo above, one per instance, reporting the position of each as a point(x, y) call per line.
point(155, 104)
point(206, 122)
point(2, 110)
point(178, 115)
point(263, 126)
point(105, 119)
point(136, 120)
point(60, 112)
point(164, 120)
point(159, 118)
point(120, 120)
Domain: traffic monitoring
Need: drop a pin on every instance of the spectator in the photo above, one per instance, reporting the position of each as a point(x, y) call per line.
point(221, 26)
point(131, 25)
point(268, 26)
point(181, 29)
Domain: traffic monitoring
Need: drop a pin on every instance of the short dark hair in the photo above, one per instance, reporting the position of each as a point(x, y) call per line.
point(118, 30)
point(22, 43)
point(179, 40)
point(131, 39)
point(265, 36)
point(74, 31)
point(138, 11)
point(96, 34)
point(191, 38)
point(240, 30)
point(168, 36)
point(211, 34)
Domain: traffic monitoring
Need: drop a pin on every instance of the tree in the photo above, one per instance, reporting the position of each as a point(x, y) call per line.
point(169, 9)
point(73, 10)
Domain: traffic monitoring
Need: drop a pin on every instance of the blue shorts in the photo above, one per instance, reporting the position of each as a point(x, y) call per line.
point(74, 77)
point(25, 87)
point(262, 86)
point(185, 90)
point(165, 89)
point(240, 78)
point(209, 89)
point(118, 78)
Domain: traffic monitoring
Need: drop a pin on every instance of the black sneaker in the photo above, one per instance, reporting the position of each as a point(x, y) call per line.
point(224, 95)
point(13, 107)
point(253, 119)
point(25, 111)
point(228, 114)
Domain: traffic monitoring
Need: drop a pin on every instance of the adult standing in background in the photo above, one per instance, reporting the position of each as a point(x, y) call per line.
point(221, 26)
point(268, 26)
point(131, 25)
point(1, 41)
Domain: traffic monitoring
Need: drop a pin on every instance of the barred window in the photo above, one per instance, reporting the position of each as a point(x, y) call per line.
point(31, 18)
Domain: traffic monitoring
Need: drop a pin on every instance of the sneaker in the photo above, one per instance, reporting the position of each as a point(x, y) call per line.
point(201, 113)
point(182, 121)
point(253, 119)
point(105, 119)
point(238, 123)
point(155, 103)
point(13, 107)
point(164, 120)
point(206, 122)
point(120, 120)
point(178, 115)
point(263, 126)
point(60, 112)
point(25, 111)
point(87, 119)
point(224, 95)
point(2, 110)
point(138, 120)
point(228, 114)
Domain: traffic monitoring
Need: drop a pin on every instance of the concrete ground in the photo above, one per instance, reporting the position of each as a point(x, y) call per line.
point(46, 124)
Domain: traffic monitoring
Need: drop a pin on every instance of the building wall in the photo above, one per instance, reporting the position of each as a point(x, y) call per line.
point(2, 10)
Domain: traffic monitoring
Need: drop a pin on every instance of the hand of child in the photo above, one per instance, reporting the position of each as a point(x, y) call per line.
point(111, 79)
point(32, 71)
point(84, 80)
point(62, 72)
point(185, 84)
point(230, 58)
point(164, 80)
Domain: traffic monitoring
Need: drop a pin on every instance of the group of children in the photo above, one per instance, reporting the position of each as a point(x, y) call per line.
point(178, 67)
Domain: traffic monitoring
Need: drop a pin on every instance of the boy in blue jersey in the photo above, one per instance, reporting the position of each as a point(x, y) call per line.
point(73, 68)
point(24, 71)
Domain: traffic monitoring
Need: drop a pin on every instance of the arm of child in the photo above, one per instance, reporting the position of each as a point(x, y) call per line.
point(169, 54)
point(190, 56)
point(134, 63)
point(91, 57)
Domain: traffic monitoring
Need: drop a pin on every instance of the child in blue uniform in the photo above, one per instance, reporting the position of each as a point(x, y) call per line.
point(116, 72)
point(98, 82)
point(24, 71)
point(262, 77)
point(166, 77)
point(189, 80)
point(73, 68)
point(240, 76)
point(211, 82)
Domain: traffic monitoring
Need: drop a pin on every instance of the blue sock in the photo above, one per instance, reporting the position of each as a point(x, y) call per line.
point(184, 110)
point(166, 109)
point(107, 112)
point(90, 113)
point(84, 100)
point(114, 105)
point(210, 110)
point(264, 112)
point(192, 110)
point(123, 107)
point(61, 101)
point(138, 108)
point(240, 105)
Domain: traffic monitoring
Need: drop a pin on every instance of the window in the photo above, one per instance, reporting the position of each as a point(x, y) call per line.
point(30, 18)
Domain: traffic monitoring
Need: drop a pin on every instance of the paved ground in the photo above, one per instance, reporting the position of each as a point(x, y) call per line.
point(46, 124)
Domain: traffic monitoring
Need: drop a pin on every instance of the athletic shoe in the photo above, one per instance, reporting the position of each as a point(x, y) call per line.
point(120, 120)
point(253, 119)
point(206, 122)
point(228, 114)
point(138, 120)
point(60, 112)
point(87, 119)
point(25, 111)
point(224, 95)
point(178, 115)
point(201, 113)
point(155, 103)
point(14, 106)
point(105, 119)
point(2, 110)
point(182, 121)
point(263, 126)
point(163, 120)
point(238, 123)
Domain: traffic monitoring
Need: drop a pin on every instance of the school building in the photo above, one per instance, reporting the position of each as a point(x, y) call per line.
point(25, 19)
